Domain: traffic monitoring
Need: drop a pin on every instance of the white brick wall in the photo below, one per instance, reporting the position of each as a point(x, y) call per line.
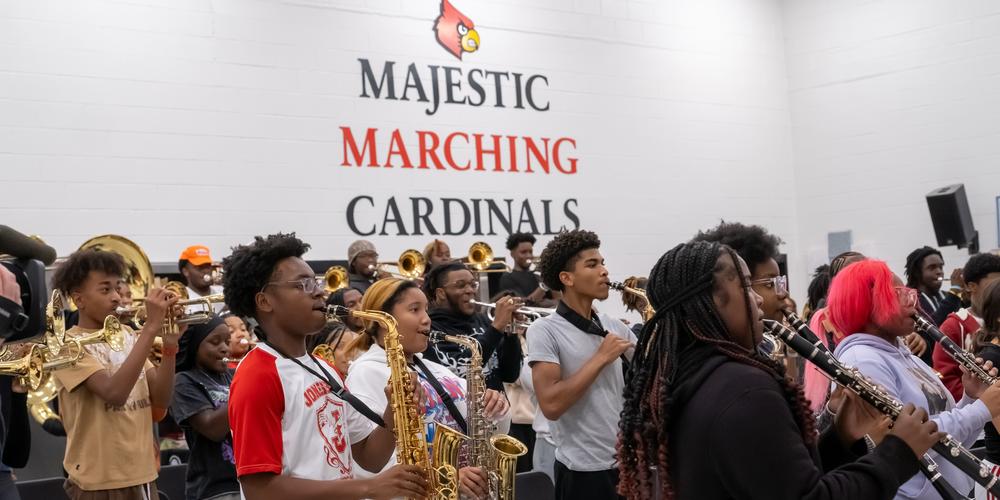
point(174, 122)
point(890, 100)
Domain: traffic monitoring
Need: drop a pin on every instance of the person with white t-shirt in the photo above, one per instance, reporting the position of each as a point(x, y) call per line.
point(195, 265)
point(297, 434)
point(445, 392)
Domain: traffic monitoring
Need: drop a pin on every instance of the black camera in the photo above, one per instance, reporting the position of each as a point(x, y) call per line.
point(26, 258)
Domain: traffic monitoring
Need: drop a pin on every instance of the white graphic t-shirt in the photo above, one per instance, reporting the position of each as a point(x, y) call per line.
point(286, 421)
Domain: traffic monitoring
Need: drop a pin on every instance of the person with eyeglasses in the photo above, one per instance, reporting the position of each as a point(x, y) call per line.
point(450, 288)
point(874, 310)
point(296, 432)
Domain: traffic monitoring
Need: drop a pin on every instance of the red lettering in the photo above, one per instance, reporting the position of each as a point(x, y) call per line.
point(556, 157)
point(480, 152)
point(447, 150)
point(532, 150)
point(426, 150)
point(397, 148)
point(369, 147)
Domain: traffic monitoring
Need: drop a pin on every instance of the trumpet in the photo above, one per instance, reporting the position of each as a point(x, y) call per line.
point(215, 277)
point(137, 312)
point(532, 313)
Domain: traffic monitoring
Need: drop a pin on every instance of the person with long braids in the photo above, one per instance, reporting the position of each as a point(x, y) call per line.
point(708, 417)
point(874, 310)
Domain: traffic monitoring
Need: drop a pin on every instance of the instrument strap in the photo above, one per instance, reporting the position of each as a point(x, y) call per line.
point(335, 388)
point(443, 394)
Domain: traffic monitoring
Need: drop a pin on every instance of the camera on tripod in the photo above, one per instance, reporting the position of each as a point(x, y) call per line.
point(26, 258)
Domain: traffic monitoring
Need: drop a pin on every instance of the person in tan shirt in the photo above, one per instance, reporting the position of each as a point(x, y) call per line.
point(109, 400)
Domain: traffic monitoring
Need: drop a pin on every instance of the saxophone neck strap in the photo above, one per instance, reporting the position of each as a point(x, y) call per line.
point(449, 402)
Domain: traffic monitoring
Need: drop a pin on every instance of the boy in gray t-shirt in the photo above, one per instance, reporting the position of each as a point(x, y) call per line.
point(576, 357)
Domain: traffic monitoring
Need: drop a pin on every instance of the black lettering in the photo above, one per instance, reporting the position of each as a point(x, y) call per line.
point(529, 94)
point(352, 221)
point(494, 209)
point(496, 86)
point(395, 218)
point(570, 214)
point(476, 217)
point(413, 82)
point(477, 87)
point(368, 77)
point(548, 216)
point(435, 91)
point(518, 104)
point(452, 84)
point(526, 217)
point(448, 228)
point(422, 209)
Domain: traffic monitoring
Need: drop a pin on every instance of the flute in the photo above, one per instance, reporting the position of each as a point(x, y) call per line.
point(852, 379)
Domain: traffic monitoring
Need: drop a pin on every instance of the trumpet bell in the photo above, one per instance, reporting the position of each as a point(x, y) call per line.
point(335, 278)
point(480, 256)
point(29, 368)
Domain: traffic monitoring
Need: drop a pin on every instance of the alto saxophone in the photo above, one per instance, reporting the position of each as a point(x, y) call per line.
point(441, 469)
point(494, 454)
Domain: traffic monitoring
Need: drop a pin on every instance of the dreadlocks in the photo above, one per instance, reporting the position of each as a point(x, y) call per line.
point(686, 329)
point(915, 264)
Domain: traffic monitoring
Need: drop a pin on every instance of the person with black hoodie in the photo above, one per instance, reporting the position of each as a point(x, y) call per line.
point(450, 288)
point(716, 419)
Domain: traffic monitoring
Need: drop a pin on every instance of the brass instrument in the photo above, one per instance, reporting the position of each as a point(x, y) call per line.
point(137, 311)
point(648, 311)
point(324, 352)
point(335, 278)
point(495, 454)
point(532, 313)
point(481, 258)
point(411, 265)
point(215, 277)
point(441, 469)
point(28, 368)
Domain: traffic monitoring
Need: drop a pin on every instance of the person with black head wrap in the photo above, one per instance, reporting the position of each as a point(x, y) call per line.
point(201, 404)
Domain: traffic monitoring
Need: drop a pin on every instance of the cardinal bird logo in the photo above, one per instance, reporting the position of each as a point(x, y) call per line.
point(455, 32)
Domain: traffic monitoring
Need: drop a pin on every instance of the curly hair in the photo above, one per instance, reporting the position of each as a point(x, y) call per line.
point(753, 243)
point(818, 287)
point(74, 271)
point(562, 253)
point(516, 239)
point(686, 330)
point(250, 267)
point(979, 266)
point(915, 264)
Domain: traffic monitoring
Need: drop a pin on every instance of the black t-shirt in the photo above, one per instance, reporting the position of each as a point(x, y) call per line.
point(212, 467)
point(522, 282)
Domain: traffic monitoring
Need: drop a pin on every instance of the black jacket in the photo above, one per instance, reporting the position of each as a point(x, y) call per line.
point(501, 353)
point(734, 436)
point(16, 438)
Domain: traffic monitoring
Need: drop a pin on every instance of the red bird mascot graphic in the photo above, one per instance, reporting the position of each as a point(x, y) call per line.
point(455, 32)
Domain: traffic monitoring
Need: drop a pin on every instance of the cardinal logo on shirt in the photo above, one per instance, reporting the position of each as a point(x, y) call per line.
point(455, 32)
point(330, 423)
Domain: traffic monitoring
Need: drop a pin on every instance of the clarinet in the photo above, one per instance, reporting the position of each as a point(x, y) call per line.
point(961, 356)
point(928, 466)
point(852, 379)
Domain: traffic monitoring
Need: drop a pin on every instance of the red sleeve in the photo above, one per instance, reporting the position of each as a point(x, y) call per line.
point(951, 375)
point(256, 405)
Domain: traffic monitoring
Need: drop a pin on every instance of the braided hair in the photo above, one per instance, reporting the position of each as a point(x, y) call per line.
point(685, 331)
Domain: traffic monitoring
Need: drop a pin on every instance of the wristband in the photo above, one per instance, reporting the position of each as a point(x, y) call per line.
point(170, 350)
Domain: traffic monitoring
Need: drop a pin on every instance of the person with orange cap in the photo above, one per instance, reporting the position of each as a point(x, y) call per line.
point(195, 264)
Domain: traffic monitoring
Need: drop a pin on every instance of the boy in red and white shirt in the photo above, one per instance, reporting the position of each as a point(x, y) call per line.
point(293, 438)
point(962, 325)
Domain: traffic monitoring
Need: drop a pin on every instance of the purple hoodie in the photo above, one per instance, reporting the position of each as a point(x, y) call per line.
point(906, 378)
